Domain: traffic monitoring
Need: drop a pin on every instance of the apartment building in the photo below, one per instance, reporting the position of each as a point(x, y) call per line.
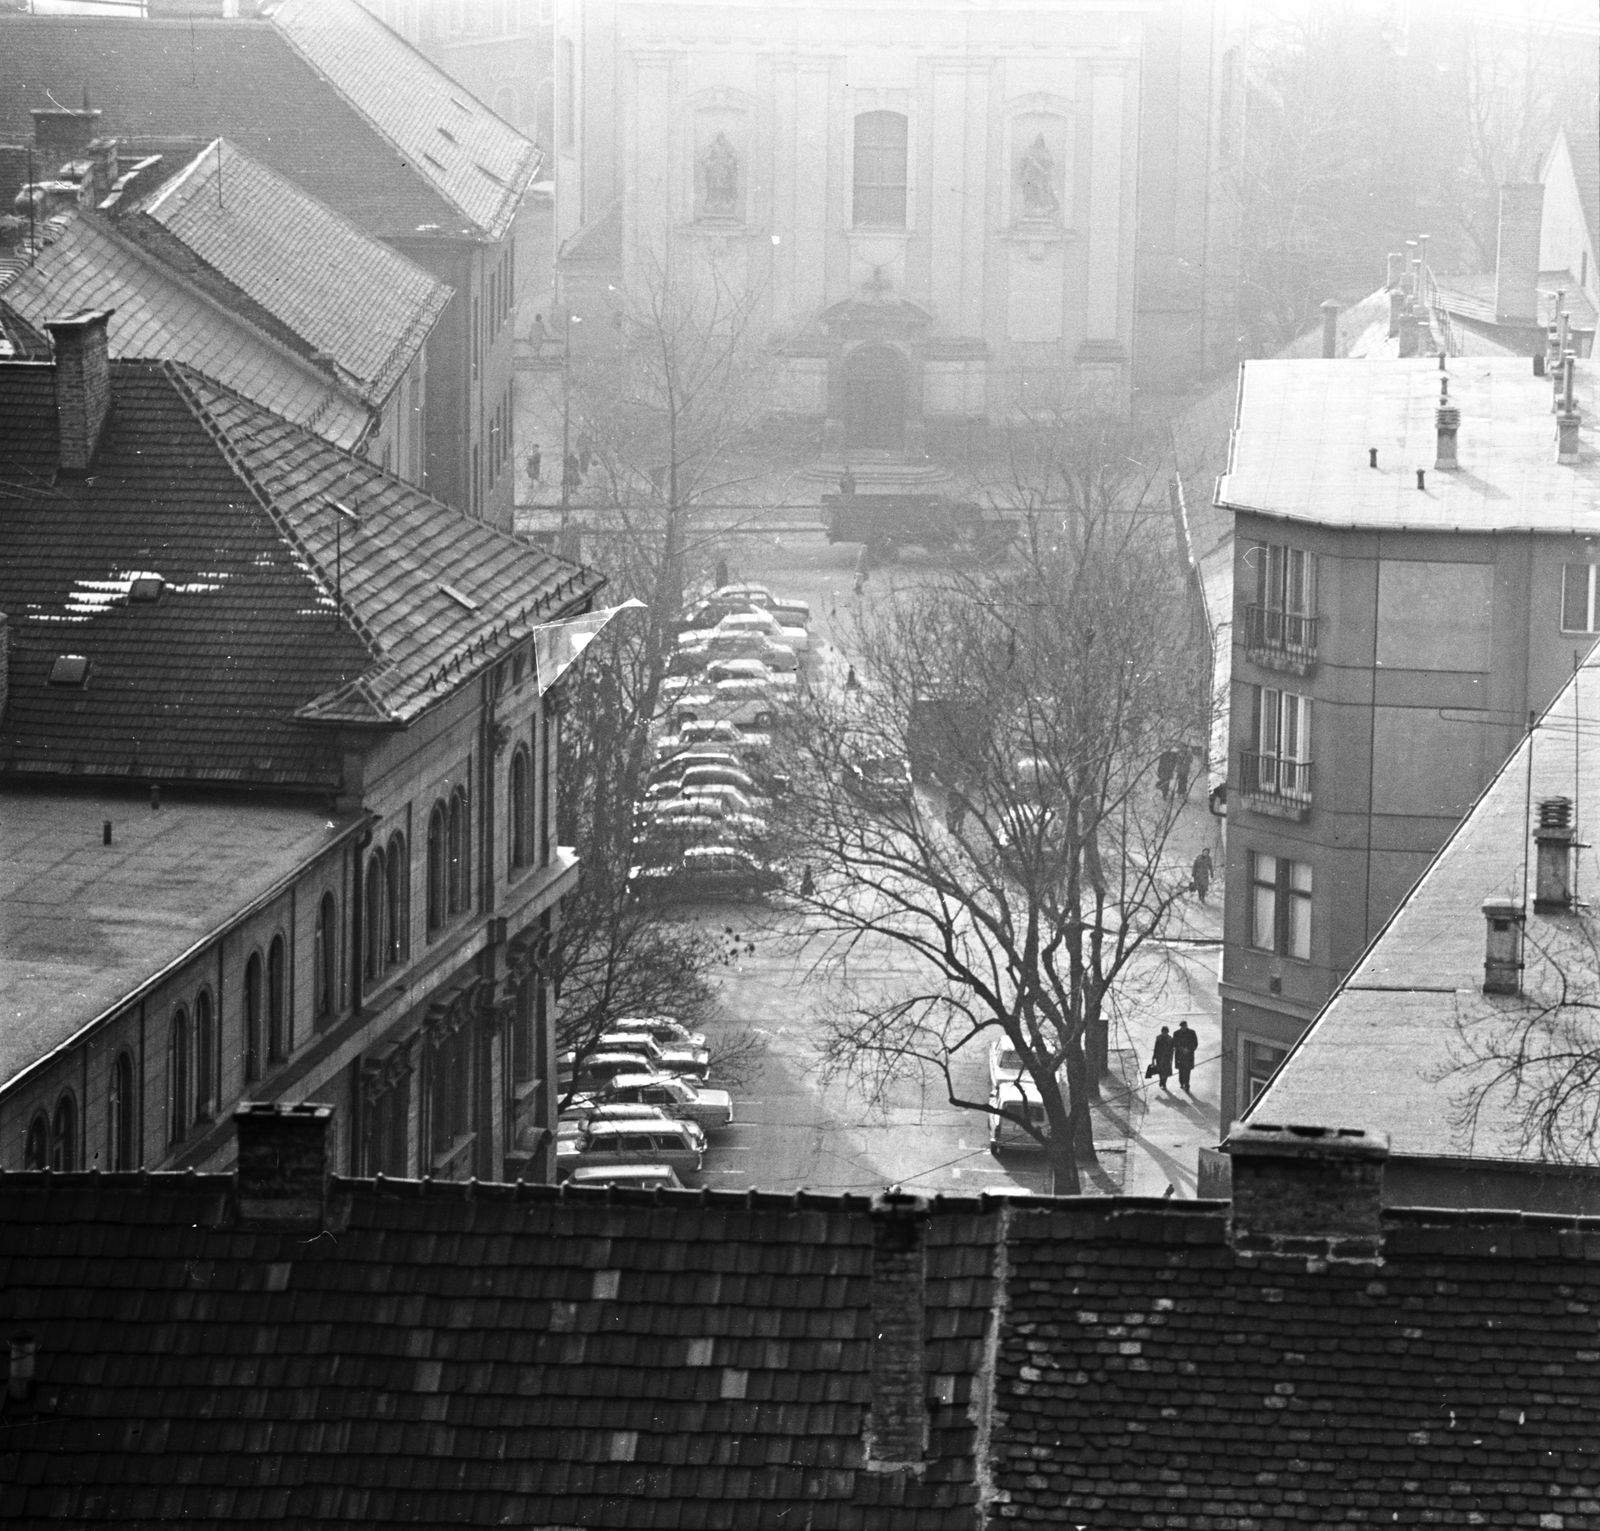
point(276, 787)
point(1414, 573)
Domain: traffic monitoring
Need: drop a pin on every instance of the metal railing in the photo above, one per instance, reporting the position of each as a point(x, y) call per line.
point(1275, 776)
point(1285, 632)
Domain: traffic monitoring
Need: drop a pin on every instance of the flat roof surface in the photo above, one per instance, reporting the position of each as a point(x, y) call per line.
point(1400, 1047)
point(84, 924)
point(1300, 447)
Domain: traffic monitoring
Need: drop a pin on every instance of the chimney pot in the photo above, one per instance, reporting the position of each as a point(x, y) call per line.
point(1554, 838)
point(1502, 950)
point(283, 1163)
point(1422, 478)
point(1330, 328)
point(1307, 1190)
point(897, 1428)
point(1567, 424)
point(1447, 420)
point(1516, 266)
point(83, 385)
point(1372, 457)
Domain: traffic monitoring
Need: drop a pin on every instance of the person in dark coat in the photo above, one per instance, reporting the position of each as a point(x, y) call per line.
point(1184, 1044)
point(1182, 765)
point(535, 462)
point(1166, 764)
point(1161, 1056)
point(1200, 874)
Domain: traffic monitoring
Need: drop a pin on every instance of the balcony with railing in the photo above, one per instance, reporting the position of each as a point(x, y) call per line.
point(1275, 784)
point(1280, 640)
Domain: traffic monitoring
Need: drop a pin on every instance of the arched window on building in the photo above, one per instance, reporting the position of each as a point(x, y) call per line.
point(279, 1041)
point(252, 1016)
point(880, 170)
point(519, 808)
point(459, 838)
point(36, 1146)
point(119, 1113)
point(178, 1076)
point(372, 917)
point(397, 899)
point(325, 958)
point(437, 901)
point(205, 1058)
point(64, 1134)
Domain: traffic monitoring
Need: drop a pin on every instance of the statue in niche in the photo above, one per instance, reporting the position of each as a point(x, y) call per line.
point(721, 167)
point(1037, 172)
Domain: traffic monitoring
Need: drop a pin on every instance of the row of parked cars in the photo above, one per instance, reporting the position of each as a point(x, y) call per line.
point(704, 820)
point(638, 1107)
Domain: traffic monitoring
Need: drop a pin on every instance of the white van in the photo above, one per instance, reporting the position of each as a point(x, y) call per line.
point(1008, 1135)
point(678, 1144)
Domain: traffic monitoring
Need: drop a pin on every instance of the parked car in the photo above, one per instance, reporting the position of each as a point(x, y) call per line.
point(744, 703)
point(786, 610)
point(585, 1108)
point(781, 681)
point(714, 733)
point(666, 1029)
point(765, 622)
point(678, 1097)
point(691, 809)
point(672, 767)
point(1007, 1133)
point(696, 774)
point(1005, 1064)
point(636, 1177)
point(880, 781)
point(595, 1070)
point(703, 651)
point(728, 797)
point(679, 1144)
point(662, 1057)
point(706, 871)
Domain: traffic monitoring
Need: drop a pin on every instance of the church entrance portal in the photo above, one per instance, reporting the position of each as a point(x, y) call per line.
point(875, 399)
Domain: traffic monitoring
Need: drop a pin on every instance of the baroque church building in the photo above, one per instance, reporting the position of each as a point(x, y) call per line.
point(943, 212)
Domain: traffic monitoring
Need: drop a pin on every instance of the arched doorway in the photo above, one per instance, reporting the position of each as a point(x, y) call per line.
point(875, 399)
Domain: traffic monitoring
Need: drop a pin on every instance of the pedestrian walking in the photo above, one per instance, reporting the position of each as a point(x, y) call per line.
point(535, 463)
point(1184, 760)
point(1165, 766)
point(571, 473)
point(808, 884)
point(1200, 874)
point(850, 681)
point(1184, 1044)
point(1161, 1057)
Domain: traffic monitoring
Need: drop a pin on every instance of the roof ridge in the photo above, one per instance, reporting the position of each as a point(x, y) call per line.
point(178, 373)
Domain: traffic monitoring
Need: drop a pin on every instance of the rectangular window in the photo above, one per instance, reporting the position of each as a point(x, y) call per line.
point(880, 169)
point(1284, 614)
point(1577, 598)
point(1258, 1062)
point(1280, 906)
point(1280, 763)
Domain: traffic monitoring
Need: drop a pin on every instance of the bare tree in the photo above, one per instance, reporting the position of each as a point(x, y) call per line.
point(1034, 700)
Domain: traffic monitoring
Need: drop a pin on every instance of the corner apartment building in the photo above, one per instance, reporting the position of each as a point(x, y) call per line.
point(326, 95)
point(1415, 571)
point(276, 787)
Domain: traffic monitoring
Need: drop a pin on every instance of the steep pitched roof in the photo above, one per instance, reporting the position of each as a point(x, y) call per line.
point(340, 292)
point(160, 314)
point(323, 93)
point(223, 500)
point(1583, 150)
point(452, 1354)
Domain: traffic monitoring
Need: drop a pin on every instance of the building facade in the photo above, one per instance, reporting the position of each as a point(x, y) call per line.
point(1405, 594)
point(275, 737)
point(937, 209)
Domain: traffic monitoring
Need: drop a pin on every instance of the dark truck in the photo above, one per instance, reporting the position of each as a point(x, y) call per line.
point(886, 522)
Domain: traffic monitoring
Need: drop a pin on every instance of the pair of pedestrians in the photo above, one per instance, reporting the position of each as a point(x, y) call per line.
point(1173, 1050)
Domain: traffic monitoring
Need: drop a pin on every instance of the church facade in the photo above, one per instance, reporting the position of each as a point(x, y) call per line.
point(935, 207)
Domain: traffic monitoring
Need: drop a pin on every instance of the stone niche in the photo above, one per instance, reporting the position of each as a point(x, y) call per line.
point(720, 143)
point(1037, 213)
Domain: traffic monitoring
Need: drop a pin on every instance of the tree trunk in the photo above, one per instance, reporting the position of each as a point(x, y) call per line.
point(1080, 1121)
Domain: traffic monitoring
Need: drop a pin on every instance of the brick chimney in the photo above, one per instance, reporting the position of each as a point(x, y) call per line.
point(1516, 266)
point(1307, 1192)
point(283, 1163)
point(897, 1426)
point(1502, 946)
point(1554, 838)
point(83, 384)
point(61, 134)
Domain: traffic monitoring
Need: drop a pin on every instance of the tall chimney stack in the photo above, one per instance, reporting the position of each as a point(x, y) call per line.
point(283, 1162)
point(1312, 1192)
point(1330, 328)
point(1516, 266)
point(83, 384)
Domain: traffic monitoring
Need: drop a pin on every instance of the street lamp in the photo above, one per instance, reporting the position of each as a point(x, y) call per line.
point(569, 319)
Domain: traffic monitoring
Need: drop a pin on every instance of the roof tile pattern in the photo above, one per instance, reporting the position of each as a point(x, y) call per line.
point(160, 316)
point(226, 502)
point(341, 292)
point(317, 113)
point(482, 1357)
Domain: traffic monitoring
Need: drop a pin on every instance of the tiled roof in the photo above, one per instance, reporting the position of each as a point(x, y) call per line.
point(476, 159)
point(1387, 1045)
point(451, 1354)
point(323, 93)
point(223, 500)
point(338, 290)
point(160, 315)
point(19, 340)
point(1305, 428)
point(87, 924)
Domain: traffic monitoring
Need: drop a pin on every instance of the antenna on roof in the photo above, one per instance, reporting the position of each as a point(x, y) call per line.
point(343, 513)
point(219, 171)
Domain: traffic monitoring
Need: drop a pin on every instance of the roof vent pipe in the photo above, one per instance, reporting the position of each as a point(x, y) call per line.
point(1568, 420)
point(1447, 421)
point(1502, 948)
point(1330, 328)
point(1554, 838)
